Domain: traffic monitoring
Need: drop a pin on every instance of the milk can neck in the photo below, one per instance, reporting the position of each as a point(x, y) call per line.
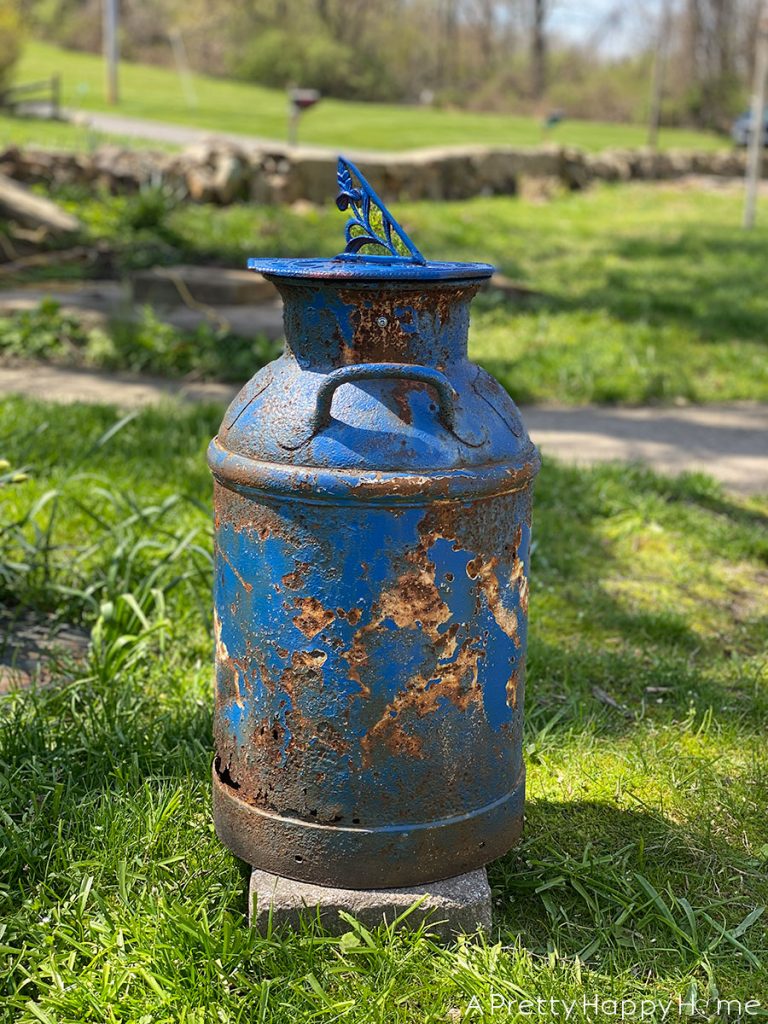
point(334, 324)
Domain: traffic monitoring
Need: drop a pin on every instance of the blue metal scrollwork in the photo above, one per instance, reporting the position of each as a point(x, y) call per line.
point(370, 222)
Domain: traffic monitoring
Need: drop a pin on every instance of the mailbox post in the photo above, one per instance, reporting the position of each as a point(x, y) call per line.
point(299, 100)
point(372, 536)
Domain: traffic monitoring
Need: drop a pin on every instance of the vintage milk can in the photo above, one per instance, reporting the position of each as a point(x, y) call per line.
point(372, 536)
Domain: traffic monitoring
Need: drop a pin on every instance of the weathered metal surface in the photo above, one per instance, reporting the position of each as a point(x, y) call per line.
point(372, 525)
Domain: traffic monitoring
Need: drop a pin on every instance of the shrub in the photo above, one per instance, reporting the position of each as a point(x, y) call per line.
point(149, 208)
point(42, 333)
point(313, 60)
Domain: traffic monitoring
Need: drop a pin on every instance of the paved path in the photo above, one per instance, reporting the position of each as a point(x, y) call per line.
point(173, 134)
point(730, 442)
point(155, 131)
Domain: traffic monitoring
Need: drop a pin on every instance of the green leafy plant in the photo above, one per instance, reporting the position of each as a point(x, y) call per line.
point(149, 208)
point(11, 38)
point(42, 333)
point(146, 344)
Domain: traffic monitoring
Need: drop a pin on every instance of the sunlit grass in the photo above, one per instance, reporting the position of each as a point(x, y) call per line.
point(228, 106)
point(642, 293)
point(645, 863)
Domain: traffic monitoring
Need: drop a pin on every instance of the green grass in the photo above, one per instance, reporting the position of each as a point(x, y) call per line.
point(228, 106)
point(648, 293)
point(644, 866)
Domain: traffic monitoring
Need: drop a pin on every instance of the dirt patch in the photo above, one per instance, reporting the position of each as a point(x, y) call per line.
point(34, 648)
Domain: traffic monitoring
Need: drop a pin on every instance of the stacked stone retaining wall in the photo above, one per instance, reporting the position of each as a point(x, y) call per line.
point(222, 172)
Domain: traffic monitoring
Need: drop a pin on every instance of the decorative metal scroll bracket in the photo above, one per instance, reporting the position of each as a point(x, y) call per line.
point(370, 222)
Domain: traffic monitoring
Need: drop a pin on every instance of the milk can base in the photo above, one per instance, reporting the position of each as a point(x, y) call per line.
point(367, 858)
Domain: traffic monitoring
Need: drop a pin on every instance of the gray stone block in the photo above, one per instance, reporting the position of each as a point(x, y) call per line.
point(453, 906)
point(213, 286)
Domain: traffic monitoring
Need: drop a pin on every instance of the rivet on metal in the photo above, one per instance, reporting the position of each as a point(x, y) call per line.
point(382, 321)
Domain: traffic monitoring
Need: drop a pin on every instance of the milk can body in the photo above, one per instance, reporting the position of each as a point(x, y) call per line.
point(372, 537)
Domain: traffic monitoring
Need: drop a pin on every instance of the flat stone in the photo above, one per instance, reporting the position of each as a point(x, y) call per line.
point(101, 303)
point(453, 906)
point(212, 286)
point(244, 321)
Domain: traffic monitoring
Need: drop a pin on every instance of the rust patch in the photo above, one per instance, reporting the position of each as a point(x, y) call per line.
point(222, 654)
point(352, 616)
point(520, 580)
point(401, 392)
point(308, 659)
point(458, 683)
point(313, 618)
point(384, 319)
point(268, 734)
point(357, 658)
point(488, 581)
point(414, 597)
point(302, 676)
point(295, 580)
point(511, 687)
point(473, 567)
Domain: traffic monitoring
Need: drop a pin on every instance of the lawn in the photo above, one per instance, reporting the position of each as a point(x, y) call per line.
point(647, 293)
point(229, 106)
point(644, 869)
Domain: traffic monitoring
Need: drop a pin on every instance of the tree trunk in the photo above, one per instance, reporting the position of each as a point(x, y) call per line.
point(538, 49)
point(23, 206)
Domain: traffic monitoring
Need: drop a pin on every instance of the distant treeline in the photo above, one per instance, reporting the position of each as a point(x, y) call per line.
point(479, 54)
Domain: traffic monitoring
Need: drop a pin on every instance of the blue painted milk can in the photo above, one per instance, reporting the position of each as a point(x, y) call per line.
point(372, 534)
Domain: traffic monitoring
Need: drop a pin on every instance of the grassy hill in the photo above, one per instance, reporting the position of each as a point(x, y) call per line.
point(155, 93)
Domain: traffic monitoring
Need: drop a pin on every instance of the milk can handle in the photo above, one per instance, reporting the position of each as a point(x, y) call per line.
point(378, 371)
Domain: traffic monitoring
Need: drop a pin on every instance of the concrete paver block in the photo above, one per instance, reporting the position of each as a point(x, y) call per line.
point(451, 907)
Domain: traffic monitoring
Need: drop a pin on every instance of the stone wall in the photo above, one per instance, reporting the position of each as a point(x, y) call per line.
point(223, 172)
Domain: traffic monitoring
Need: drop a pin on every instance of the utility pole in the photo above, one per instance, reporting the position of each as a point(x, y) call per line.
point(179, 50)
point(658, 74)
point(111, 56)
point(757, 120)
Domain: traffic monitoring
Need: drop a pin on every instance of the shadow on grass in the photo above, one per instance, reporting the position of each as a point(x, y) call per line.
point(708, 279)
point(624, 889)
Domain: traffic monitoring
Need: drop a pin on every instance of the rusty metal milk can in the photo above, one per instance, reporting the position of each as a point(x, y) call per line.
point(372, 533)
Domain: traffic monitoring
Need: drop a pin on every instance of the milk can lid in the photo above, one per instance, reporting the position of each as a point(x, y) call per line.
point(377, 249)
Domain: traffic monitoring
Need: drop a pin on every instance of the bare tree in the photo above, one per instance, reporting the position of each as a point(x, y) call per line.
point(486, 26)
point(658, 72)
point(710, 45)
point(448, 29)
point(539, 13)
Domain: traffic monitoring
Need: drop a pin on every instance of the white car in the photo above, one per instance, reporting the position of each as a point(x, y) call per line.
point(741, 130)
